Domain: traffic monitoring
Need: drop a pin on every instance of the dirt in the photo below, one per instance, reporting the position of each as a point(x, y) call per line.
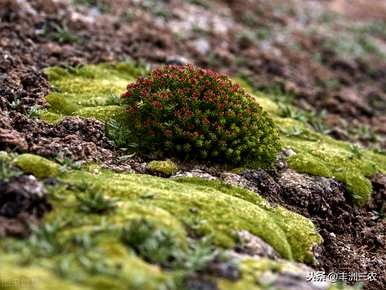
point(285, 55)
point(354, 240)
point(360, 9)
point(23, 200)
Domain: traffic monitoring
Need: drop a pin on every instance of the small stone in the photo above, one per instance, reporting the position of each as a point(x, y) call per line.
point(255, 246)
point(196, 173)
point(202, 46)
point(177, 60)
point(288, 152)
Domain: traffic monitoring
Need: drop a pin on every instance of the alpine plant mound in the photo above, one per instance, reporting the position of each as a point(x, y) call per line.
point(194, 113)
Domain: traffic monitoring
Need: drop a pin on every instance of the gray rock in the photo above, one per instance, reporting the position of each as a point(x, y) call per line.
point(177, 60)
point(254, 246)
point(202, 45)
point(195, 173)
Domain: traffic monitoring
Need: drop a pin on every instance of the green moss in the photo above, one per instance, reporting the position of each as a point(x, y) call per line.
point(120, 271)
point(356, 183)
point(88, 91)
point(321, 155)
point(60, 105)
point(207, 210)
point(50, 117)
point(251, 271)
point(36, 165)
point(91, 254)
point(266, 103)
point(86, 250)
point(7, 170)
point(101, 113)
point(163, 168)
point(93, 91)
point(88, 253)
point(297, 229)
point(330, 158)
point(309, 164)
point(13, 277)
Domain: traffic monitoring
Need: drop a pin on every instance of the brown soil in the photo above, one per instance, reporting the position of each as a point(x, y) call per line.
point(286, 56)
point(354, 241)
point(360, 8)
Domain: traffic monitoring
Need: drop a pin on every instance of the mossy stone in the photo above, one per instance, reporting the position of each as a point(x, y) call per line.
point(219, 210)
point(309, 164)
point(164, 168)
point(37, 165)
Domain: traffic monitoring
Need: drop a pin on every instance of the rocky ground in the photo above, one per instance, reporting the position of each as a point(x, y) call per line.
point(321, 63)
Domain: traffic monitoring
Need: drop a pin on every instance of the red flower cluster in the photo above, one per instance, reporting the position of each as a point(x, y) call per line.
point(199, 114)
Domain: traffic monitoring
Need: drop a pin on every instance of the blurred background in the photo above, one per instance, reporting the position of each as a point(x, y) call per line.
point(327, 57)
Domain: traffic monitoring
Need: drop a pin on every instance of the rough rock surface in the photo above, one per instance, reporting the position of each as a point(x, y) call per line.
point(22, 200)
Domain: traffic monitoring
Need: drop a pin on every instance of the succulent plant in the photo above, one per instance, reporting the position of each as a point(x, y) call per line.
point(195, 113)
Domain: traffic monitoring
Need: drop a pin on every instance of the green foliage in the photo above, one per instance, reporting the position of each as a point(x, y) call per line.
point(356, 151)
point(33, 112)
point(153, 243)
point(163, 246)
point(15, 103)
point(7, 171)
point(67, 163)
point(207, 209)
point(164, 168)
point(63, 35)
point(367, 133)
point(311, 118)
point(143, 243)
point(199, 114)
point(118, 133)
point(87, 91)
point(95, 202)
point(376, 28)
point(379, 213)
point(60, 32)
point(199, 255)
point(91, 91)
point(44, 239)
point(202, 3)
